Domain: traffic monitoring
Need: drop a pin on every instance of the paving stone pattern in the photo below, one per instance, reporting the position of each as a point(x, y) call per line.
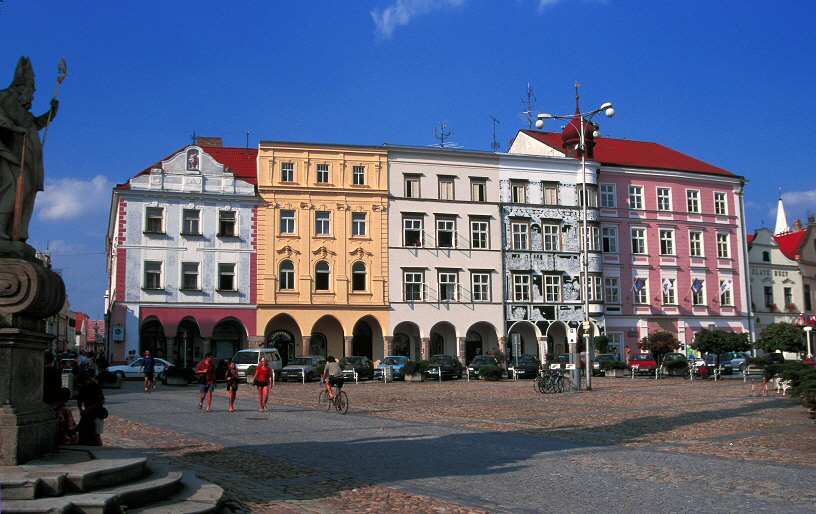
point(629, 445)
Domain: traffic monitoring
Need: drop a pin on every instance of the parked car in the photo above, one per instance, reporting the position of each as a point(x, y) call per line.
point(774, 358)
point(396, 362)
point(738, 359)
point(810, 361)
point(596, 363)
point(670, 357)
point(301, 367)
point(563, 360)
point(527, 366)
point(252, 357)
point(358, 363)
point(723, 361)
point(445, 366)
point(132, 370)
point(479, 361)
point(642, 364)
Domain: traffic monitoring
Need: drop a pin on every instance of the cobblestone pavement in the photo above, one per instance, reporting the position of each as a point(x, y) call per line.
point(669, 446)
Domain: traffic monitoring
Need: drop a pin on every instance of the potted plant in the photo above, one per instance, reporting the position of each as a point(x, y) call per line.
point(613, 368)
point(492, 373)
point(413, 371)
point(178, 375)
point(108, 380)
point(676, 367)
point(250, 373)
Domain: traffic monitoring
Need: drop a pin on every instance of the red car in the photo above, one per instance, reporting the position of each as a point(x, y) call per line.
point(810, 361)
point(642, 364)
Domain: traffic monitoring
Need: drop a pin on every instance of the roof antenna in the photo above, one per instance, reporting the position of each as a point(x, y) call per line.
point(441, 135)
point(194, 137)
point(531, 99)
point(247, 147)
point(495, 143)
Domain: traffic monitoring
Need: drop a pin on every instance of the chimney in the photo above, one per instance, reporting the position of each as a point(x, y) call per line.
point(797, 226)
point(810, 218)
point(209, 141)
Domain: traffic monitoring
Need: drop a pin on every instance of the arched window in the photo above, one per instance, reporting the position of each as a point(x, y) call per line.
point(766, 256)
point(358, 276)
point(287, 276)
point(322, 277)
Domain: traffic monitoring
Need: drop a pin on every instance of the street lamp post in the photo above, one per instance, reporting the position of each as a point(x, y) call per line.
point(583, 119)
point(808, 350)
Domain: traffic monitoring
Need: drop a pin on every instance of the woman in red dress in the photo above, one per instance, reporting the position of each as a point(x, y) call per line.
point(263, 380)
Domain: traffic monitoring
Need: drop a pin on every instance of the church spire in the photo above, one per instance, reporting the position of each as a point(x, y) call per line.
point(781, 219)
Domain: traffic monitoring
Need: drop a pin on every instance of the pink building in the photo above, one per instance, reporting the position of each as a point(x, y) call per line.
point(672, 238)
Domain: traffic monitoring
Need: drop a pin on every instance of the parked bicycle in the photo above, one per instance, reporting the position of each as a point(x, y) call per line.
point(552, 381)
point(339, 402)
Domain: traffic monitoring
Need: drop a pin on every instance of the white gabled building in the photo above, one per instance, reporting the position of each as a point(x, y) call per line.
point(182, 256)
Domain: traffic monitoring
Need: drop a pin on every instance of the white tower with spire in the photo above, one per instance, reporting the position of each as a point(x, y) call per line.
point(781, 220)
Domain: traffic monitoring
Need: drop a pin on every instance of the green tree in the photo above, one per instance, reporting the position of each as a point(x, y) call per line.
point(601, 344)
point(660, 342)
point(720, 341)
point(782, 337)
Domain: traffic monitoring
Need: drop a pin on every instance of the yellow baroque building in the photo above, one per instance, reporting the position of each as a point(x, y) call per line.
point(322, 249)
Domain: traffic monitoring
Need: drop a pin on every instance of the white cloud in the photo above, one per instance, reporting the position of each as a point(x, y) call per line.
point(402, 11)
point(69, 198)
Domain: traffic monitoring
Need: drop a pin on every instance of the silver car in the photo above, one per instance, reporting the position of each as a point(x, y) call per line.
point(302, 368)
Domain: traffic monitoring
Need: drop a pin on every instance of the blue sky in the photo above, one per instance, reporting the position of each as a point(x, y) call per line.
point(730, 83)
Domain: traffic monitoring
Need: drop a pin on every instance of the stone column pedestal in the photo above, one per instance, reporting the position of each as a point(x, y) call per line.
point(29, 293)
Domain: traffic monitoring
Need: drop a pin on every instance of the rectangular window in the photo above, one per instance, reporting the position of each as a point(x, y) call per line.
point(154, 220)
point(446, 188)
point(696, 244)
point(636, 197)
point(720, 205)
point(189, 276)
point(552, 288)
point(641, 289)
point(639, 241)
point(612, 289)
point(478, 190)
point(663, 199)
point(322, 223)
point(411, 186)
point(520, 239)
point(722, 246)
point(518, 192)
point(588, 195)
point(787, 293)
point(190, 224)
point(593, 239)
point(322, 176)
point(666, 242)
point(808, 298)
point(448, 287)
point(550, 193)
point(478, 234)
point(481, 287)
point(412, 231)
point(668, 291)
point(550, 238)
point(358, 175)
point(693, 200)
point(521, 287)
point(725, 293)
point(226, 224)
point(226, 277)
point(287, 221)
point(152, 275)
point(445, 233)
point(358, 223)
point(413, 282)
point(698, 292)
point(609, 239)
point(594, 289)
point(287, 172)
point(769, 300)
point(608, 196)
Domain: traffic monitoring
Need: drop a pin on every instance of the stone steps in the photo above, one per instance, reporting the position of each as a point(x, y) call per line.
point(102, 483)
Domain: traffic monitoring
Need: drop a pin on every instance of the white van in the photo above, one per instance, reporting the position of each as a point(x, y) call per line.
point(252, 357)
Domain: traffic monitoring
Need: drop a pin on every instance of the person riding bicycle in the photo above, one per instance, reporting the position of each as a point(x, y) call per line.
point(332, 376)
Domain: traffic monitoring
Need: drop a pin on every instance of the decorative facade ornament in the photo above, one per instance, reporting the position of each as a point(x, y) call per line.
point(322, 252)
point(360, 252)
point(288, 251)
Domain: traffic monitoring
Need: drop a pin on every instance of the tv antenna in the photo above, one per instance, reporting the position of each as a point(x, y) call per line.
point(531, 99)
point(441, 135)
point(495, 143)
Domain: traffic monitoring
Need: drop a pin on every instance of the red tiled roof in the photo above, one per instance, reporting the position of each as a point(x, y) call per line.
point(789, 243)
point(750, 237)
point(639, 154)
point(240, 160)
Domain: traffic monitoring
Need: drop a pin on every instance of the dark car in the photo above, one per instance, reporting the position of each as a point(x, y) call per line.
point(361, 365)
point(525, 366)
point(723, 361)
point(442, 366)
point(479, 361)
point(596, 363)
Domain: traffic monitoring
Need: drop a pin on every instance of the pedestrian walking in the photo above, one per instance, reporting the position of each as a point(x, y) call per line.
point(149, 366)
point(232, 383)
point(90, 402)
point(206, 380)
point(262, 380)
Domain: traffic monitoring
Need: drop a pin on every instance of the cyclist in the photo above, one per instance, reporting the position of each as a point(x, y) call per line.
point(332, 376)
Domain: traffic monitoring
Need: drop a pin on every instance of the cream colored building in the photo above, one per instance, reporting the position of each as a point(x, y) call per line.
point(322, 249)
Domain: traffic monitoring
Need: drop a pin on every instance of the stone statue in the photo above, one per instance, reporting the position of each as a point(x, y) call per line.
point(20, 152)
